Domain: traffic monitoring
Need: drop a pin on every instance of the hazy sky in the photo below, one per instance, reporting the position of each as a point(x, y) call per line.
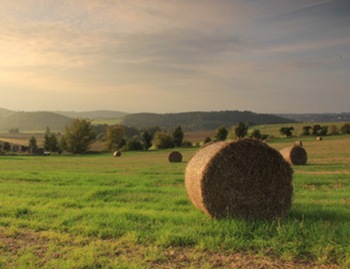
point(268, 56)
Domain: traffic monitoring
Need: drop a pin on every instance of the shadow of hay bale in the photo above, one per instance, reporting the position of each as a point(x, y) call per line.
point(175, 157)
point(244, 178)
point(295, 155)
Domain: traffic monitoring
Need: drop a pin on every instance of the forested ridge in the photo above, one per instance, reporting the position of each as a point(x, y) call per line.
point(191, 121)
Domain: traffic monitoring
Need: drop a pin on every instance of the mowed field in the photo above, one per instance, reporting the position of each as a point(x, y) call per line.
point(96, 211)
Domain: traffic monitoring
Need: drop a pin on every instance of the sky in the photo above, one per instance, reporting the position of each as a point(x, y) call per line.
point(267, 56)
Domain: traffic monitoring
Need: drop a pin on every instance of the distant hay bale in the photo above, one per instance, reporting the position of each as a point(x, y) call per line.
point(298, 143)
point(319, 138)
point(175, 157)
point(295, 155)
point(117, 154)
point(245, 178)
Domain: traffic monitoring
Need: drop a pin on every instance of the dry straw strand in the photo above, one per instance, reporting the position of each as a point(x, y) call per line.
point(244, 178)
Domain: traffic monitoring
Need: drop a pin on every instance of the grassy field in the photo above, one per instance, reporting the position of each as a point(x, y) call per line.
point(96, 211)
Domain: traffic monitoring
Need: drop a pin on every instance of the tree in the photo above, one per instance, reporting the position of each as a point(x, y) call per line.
point(134, 144)
point(256, 134)
point(345, 129)
point(306, 130)
point(207, 140)
point(146, 139)
point(221, 134)
point(323, 130)
point(287, 131)
point(241, 130)
point(178, 136)
point(315, 129)
point(50, 141)
point(6, 146)
point(333, 130)
point(163, 140)
point(33, 145)
point(78, 136)
point(114, 139)
point(14, 131)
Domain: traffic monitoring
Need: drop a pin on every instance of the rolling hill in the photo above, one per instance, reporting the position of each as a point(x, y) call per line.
point(192, 121)
point(31, 121)
point(189, 121)
point(94, 115)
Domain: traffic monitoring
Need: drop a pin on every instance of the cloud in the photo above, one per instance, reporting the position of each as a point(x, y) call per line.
point(234, 51)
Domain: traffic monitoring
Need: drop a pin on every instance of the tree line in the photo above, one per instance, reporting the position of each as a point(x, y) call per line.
point(78, 137)
point(317, 130)
point(80, 134)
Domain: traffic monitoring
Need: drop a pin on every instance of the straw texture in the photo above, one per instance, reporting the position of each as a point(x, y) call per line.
point(295, 155)
point(244, 178)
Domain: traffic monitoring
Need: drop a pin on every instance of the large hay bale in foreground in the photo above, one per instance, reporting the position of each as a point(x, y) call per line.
point(244, 178)
point(295, 155)
point(175, 157)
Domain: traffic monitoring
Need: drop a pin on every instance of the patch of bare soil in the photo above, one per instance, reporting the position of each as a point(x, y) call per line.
point(13, 244)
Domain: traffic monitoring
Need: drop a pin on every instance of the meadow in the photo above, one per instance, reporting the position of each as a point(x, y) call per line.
point(96, 211)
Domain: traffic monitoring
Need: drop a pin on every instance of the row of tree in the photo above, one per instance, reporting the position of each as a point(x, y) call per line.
point(317, 130)
point(80, 134)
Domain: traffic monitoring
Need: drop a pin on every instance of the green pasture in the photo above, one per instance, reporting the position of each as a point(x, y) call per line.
point(96, 211)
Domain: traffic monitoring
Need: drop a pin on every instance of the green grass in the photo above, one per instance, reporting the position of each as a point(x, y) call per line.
point(96, 211)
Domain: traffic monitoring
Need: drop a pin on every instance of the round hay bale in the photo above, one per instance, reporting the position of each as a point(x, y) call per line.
point(298, 143)
point(117, 154)
point(175, 157)
point(244, 178)
point(319, 138)
point(295, 155)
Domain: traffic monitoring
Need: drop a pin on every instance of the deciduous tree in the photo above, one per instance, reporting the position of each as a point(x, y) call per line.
point(78, 136)
point(221, 134)
point(33, 145)
point(163, 140)
point(287, 131)
point(114, 138)
point(178, 136)
point(241, 130)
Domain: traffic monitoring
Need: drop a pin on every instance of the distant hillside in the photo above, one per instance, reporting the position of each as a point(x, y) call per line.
point(5, 113)
point(94, 115)
point(31, 121)
point(322, 117)
point(191, 121)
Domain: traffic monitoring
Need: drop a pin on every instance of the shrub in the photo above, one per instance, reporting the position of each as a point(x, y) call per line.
point(134, 144)
point(163, 140)
point(345, 129)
